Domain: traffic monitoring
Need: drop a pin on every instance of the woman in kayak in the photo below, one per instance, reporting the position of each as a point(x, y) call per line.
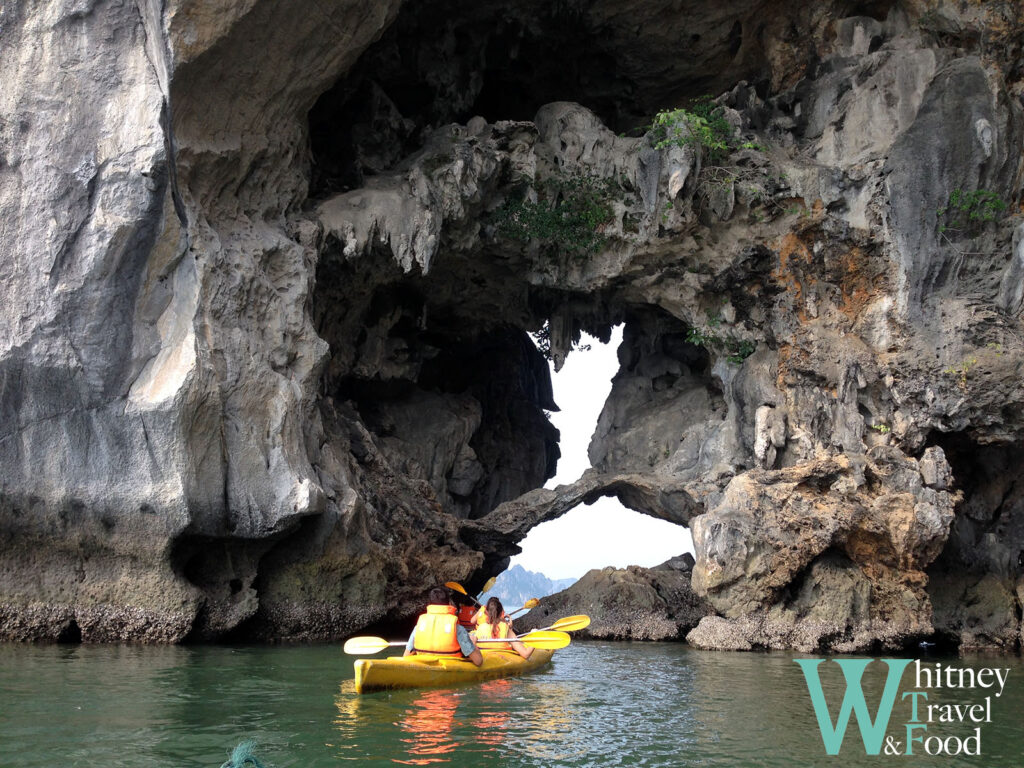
point(496, 626)
point(438, 631)
point(481, 616)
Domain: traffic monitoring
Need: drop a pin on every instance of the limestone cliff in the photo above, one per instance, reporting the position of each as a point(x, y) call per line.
point(265, 365)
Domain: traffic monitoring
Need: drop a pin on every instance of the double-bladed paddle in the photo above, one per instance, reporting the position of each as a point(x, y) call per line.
point(568, 624)
point(357, 646)
point(533, 602)
point(462, 590)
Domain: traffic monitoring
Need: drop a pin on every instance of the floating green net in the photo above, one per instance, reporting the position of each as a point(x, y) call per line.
point(242, 756)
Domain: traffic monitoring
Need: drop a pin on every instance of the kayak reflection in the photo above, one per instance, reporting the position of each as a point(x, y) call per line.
point(429, 722)
point(434, 730)
point(483, 724)
point(494, 717)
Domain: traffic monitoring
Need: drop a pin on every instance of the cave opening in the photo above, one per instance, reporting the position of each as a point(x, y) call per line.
point(603, 532)
point(432, 355)
point(442, 372)
point(601, 535)
point(70, 634)
point(443, 375)
point(976, 584)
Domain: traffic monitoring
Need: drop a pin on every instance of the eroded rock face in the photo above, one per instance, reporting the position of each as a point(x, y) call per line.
point(627, 604)
point(229, 404)
point(865, 543)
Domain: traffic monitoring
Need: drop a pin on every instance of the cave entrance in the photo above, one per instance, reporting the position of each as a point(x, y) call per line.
point(976, 585)
point(604, 533)
point(600, 535)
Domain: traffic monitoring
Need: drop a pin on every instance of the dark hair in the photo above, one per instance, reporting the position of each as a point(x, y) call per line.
point(439, 596)
point(494, 614)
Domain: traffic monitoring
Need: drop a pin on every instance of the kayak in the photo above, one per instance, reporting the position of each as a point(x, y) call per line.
point(428, 670)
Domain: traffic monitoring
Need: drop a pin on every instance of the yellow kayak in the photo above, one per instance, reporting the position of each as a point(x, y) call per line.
point(428, 670)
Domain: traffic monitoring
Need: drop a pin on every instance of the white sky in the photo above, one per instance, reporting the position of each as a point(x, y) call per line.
point(604, 533)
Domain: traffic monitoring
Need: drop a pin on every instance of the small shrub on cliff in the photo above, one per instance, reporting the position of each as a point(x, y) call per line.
point(737, 350)
point(734, 167)
point(703, 125)
point(967, 212)
point(567, 216)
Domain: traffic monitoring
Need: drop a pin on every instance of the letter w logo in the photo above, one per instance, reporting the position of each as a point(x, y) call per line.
point(871, 732)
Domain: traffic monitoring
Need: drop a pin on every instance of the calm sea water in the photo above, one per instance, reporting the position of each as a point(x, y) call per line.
point(598, 704)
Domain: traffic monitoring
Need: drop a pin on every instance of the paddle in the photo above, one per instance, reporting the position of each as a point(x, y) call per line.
point(462, 590)
point(568, 624)
point(550, 640)
point(533, 602)
point(357, 646)
point(487, 585)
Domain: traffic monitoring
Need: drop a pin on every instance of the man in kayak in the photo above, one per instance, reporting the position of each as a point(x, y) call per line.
point(495, 625)
point(438, 631)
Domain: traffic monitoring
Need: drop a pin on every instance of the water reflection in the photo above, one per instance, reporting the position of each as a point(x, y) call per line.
point(483, 723)
point(599, 704)
point(428, 723)
point(493, 719)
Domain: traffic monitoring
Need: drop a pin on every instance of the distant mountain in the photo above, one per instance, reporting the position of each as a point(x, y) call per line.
point(517, 585)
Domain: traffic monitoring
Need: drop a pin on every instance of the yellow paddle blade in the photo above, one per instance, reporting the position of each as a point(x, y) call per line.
point(456, 586)
point(550, 640)
point(488, 584)
point(533, 602)
point(571, 623)
point(357, 646)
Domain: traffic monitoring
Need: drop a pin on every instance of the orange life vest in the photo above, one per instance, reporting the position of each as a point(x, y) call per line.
point(483, 632)
point(467, 616)
point(436, 631)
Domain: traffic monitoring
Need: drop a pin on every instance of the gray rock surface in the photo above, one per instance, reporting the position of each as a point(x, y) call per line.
point(626, 603)
point(264, 363)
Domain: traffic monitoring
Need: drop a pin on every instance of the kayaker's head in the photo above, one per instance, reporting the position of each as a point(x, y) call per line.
point(494, 614)
point(439, 596)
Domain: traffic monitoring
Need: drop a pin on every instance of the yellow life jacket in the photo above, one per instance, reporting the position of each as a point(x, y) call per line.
point(481, 616)
point(483, 632)
point(436, 631)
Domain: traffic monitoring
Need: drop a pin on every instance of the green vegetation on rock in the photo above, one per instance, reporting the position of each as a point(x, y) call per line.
point(968, 211)
point(737, 350)
point(567, 216)
point(703, 125)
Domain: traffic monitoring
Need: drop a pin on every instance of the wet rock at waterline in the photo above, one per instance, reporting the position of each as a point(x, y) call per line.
point(265, 368)
point(774, 539)
point(627, 604)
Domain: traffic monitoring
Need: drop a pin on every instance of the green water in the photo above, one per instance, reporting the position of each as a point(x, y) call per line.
point(598, 704)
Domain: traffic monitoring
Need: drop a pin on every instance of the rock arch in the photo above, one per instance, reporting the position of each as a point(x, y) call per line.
point(210, 378)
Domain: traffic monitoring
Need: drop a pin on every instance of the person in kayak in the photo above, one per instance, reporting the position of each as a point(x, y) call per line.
point(438, 631)
point(481, 616)
point(466, 610)
point(496, 626)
